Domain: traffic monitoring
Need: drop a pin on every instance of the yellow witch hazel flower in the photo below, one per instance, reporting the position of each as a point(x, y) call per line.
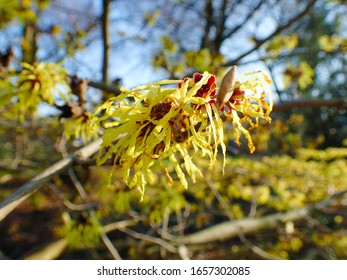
point(168, 125)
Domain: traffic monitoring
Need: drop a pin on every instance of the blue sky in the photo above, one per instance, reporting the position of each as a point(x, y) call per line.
point(130, 60)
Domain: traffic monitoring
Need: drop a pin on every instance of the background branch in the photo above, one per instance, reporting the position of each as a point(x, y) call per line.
point(278, 30)
point(82, 192)
point(23, 192)
point(104, 87)
point(230, 229)
point(149, 238)
point(338, 104)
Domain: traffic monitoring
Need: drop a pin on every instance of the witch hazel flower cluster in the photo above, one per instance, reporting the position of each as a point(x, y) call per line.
point(171, 122)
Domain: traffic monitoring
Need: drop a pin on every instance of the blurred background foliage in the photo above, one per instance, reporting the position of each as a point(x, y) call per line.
point(300, 160)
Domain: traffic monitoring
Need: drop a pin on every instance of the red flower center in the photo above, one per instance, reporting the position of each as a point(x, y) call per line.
point(206, 90)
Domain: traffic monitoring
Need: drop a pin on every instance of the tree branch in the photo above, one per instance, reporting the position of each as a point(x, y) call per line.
point(68, 204)
point(279, 29)
point(119, 225)
point(208, 15)
point(220, 26)
point(257, 250)
point(338, 104)
point(82, 192)
point(231, 229)
point(104, 87)
point(22, 193)
point(148, 238)
point(247, 18)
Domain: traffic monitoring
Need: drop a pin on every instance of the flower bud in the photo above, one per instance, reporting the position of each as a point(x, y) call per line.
point(226, 87)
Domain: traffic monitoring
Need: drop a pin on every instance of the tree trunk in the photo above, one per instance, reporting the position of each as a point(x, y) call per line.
point(106, 40)
point(29, 44)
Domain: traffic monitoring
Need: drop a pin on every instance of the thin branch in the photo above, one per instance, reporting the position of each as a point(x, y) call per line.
point(151, 239)
point(272, 76)
point(231, 229)
point(278, 30)
point(220, 199)
point(107, 241)
point(183, 251)
point(257, 250)
point(68, 203)
point(92, 213)
point(247, 18)
point(104, 87)
point(73, 11)
point(165, 223)
point(338, 104)
point(119, 225)
point(88, 150)
point(284, 55)
point(296, 53)
point(71, 172)
point(79, 187)
point(19, 151)
point(23, 192)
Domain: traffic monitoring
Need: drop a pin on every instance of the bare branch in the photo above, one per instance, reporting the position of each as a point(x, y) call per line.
point(338, 104)
point(272, 76)
point(119, 225)
point(278, 30)
point(247, 18)
point(22, 193)
point(79, 187)
point(107, 241)
point(257, 250)
point(68, 203)
point(48, 251)
point(104, 87)
point(148, 238)
point(231, 229)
